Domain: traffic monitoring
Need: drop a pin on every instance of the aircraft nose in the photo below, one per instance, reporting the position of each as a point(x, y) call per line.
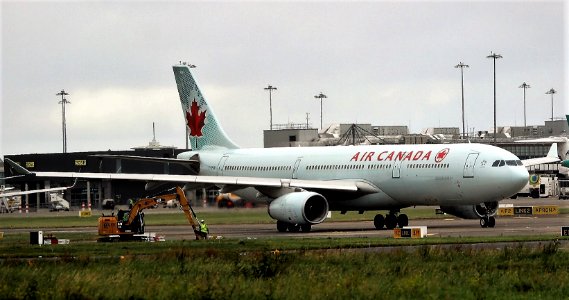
point(520, 176)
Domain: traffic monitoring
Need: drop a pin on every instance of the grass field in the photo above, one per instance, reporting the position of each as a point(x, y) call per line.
point(274, 268)
point(176, 217)
point(251, 269)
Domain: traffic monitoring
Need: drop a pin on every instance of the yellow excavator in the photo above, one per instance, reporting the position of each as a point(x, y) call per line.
point(129, 224)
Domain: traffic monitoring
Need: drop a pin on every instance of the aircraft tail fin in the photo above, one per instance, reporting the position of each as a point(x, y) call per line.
point(203, 127)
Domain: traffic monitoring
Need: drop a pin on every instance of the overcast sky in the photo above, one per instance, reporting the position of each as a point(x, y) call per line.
point(384, 63)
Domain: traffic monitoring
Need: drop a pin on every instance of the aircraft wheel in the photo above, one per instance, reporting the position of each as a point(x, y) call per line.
point(402, 220)
point(390, 221)
point(293, 227)
point(491, 222)
point(282, 226)
point(378, 221)
point(484, 222)
point(306, 227)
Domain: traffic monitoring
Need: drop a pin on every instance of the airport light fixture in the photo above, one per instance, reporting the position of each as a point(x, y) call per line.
point(525, 86)
point(320, 96)
point(551, 92)
point(271, 88)
point(462, 66)
point(63, 125)
point(494, 56)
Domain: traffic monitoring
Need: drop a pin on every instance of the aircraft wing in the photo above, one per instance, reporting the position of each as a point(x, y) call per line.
point(550, 158)
point(356, 186)
point(10, 194)
point(347, 185)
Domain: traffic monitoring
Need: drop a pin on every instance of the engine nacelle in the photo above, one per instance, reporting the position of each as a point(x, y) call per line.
point(299, 208)
point(472, 211)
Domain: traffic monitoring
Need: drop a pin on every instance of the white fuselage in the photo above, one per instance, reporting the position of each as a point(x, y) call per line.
point(406, 175)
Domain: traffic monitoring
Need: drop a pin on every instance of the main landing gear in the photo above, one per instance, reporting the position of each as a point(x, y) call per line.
point(487, 221)
point(390, 220)
point(284, 226)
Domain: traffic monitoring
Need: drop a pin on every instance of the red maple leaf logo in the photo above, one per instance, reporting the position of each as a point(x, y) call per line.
point(195, 119)
point(441, 155)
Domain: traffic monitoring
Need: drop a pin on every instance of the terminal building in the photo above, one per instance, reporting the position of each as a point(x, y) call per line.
point(92, 191)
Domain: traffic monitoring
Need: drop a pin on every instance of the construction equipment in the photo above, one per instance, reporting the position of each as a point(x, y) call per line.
point(129, 224)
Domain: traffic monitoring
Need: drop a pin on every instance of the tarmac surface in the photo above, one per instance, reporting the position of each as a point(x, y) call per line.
point(447, 227)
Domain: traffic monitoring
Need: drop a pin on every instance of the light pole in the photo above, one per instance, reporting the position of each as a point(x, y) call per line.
point(320, 96)
point(270, 88)
point(63, 123)
point(494, 56)
point(525, 86)
point(551, 92)
point(462, 66)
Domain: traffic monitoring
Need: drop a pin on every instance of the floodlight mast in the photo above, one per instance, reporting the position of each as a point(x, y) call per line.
point(271, 88)
point(525, 86)
point(63, 122)
point(462, 66)
point(494, 56)
point(320, 96)
point(551, 92)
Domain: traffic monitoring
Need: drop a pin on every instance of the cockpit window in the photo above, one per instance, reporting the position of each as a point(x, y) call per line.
point(496, 163)
point(511, 163)
point(502, 163)
point(519, 162)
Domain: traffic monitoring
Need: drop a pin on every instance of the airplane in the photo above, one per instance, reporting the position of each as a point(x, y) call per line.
point(302, 184)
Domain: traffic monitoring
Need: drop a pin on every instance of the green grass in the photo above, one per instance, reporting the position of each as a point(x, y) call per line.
point(175, 217)
point(316, 268)
point(250, 270)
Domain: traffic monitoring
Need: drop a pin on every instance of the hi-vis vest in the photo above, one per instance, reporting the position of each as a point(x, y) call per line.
point(203, 227)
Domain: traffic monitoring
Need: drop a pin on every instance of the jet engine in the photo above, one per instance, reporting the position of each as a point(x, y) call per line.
point(472, 211)
point(299, 208)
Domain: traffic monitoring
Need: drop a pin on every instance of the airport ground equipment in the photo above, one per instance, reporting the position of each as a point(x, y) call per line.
point(129, 224)
point(563, 189)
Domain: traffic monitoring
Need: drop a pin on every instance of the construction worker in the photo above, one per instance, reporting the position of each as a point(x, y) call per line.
point(203, 229)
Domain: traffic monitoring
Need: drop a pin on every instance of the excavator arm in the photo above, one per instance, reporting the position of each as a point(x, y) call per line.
point(150, 202)
point(111, 225)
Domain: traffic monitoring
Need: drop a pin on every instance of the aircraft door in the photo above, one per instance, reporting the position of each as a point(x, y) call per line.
point(221, 165)
point(295, 168)
point(397, 169)
point(469, 165)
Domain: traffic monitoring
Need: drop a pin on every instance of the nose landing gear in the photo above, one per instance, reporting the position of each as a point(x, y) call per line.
point(487, 221)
